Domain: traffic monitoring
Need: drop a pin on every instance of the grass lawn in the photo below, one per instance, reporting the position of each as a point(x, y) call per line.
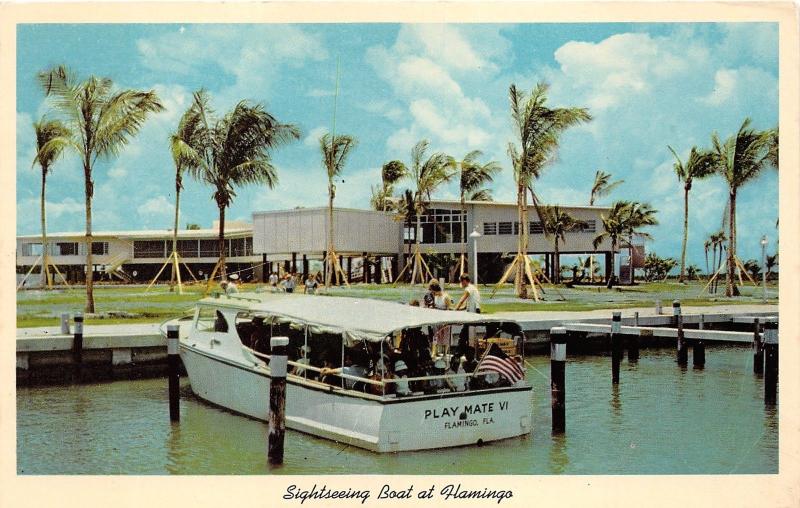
point(133, 304)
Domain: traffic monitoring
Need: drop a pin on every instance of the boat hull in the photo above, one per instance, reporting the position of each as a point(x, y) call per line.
point(379, 424)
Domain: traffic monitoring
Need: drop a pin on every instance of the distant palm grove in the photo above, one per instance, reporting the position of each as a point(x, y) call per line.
point(92, 119)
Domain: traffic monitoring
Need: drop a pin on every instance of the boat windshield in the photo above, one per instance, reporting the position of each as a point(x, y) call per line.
point(411, 361)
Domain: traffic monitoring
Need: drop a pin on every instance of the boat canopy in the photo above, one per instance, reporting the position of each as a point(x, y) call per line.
point(356, 319)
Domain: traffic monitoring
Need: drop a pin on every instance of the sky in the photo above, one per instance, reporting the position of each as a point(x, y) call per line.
point(646, 86)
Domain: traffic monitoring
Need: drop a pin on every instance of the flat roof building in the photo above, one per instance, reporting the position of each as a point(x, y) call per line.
point(297, 240)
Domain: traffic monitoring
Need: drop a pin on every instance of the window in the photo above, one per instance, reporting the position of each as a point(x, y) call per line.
point(149, 249)
point(209, 248)
point(66, 249)
point(31, 249)
point(535, 228)
point(441, 225)
point(489, 228)
point(99, 248)
point(187, 248)
point(210, 320)
point(504, 228)
point(590, 227)
point(516, 228)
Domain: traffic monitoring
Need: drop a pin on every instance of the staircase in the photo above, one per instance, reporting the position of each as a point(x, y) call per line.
point(114, 267)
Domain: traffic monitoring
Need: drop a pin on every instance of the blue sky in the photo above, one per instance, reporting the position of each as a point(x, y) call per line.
point(646, 85)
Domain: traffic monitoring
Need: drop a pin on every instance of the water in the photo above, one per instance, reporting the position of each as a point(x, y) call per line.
point(661, 420)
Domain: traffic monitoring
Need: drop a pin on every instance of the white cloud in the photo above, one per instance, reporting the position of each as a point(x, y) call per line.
point(423, 68)
point(314, 134)
point(252, 54)
point(158, 205)
point(117, 173)
point(724, 86)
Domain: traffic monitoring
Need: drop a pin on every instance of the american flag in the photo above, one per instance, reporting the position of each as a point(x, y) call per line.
point(495, 360)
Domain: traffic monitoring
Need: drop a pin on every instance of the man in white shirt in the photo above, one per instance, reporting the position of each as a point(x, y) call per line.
point(471, 299)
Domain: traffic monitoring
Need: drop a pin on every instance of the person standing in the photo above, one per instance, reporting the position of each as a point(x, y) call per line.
point(311, 285)
point(273, 280)
point(471, 299)
point(289, 283)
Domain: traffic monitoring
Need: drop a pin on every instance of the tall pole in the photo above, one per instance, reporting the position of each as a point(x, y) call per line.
point(764, 266)
point(475, 235)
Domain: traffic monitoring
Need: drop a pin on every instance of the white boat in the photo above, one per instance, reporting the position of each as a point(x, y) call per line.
point(224, 348)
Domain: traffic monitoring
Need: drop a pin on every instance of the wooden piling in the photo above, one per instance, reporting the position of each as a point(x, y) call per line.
point(264, 268)
point(633, 342)
point(77, 347)
point(770, 363)
point(677, 320)
point(616, 346)
point(65, 323)
point(699, 354)
point(558, 358)
point(277, 399)
point(173, 373)
point(758, 348)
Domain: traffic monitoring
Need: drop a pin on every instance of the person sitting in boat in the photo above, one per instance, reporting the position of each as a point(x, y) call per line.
point(258, 335)
point(304, 359)
point(434, 385)
point(401, 388)
point(456, 384)
point(469, 365)
point(382, 371)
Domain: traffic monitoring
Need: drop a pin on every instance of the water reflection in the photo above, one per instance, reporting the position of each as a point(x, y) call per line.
point(559, 460)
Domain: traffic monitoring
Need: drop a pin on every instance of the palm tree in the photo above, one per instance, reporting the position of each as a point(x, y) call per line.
point(391, 173)
point(706, 246)
point(51, 138)
point(772, 154)
point(473, 177)
point(234, 150)
point(614, 228)
point(427, 175)
point(102, 121)
point(539, 128)
point(698, 165)
point(716, 240)
point(639, 215)
point(739, 159)
point(184, 156)
point(335, 150)
point(556, 222)
point(602, 186)
point(772, 262)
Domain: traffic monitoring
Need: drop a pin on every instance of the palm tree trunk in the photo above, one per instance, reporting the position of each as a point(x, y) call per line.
point(462, 220)
point(556, 264)
point(730, 286)
point(706, 252)
point(222, 272)
point(329, 260)
point(45, 271)
point(685, 232)
point(89, 191)
point(610, 281)
point(175, 237)
point(519, 280)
